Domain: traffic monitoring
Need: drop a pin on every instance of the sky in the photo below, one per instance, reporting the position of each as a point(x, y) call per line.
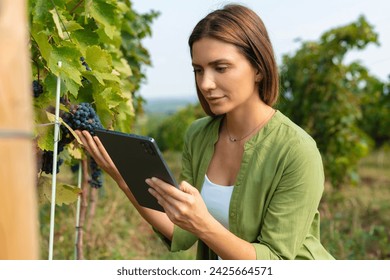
point(171, 72)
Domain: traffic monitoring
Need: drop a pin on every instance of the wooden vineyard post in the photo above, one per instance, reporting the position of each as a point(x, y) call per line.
point(18, 195)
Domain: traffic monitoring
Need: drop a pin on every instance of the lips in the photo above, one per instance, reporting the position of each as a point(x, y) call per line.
point(214, 98)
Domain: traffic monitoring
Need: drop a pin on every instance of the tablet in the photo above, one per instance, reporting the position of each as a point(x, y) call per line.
point(137, 158)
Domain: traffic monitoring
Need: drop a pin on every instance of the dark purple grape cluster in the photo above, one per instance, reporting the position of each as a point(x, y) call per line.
point(84, 117)
point(96, 174)
point(47, 162)
point(37, 88)
point(85, 64)
point(80, 117)
point(47, 156)
point(75, 167)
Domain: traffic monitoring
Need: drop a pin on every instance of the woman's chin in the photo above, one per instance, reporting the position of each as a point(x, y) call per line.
point(218, 108)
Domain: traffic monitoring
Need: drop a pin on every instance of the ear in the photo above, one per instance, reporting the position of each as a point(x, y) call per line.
point(258, 76)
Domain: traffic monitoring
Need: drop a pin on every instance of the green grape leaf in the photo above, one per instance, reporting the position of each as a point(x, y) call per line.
point(41, 38)
point(45, 137)
point(99, 60)
point(123, 67)
point(43, 129)
point(101, 77)
point(44, 184)
point(72, 86)
point(70, 69)
point(74, 152)
point(102, 99)
point(111, 77)
point(94, 77)
point(124, 117)
point(86, 37)
point(63, 25)
point(40, 11)
point(51, 87)
point(63, 108)
point(57, 23)
point(65, 194)
point(105, 14)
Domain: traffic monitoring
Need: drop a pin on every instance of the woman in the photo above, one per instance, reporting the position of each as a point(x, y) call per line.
point(252, 179)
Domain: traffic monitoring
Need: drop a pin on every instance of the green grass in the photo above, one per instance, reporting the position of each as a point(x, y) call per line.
point(355, 221)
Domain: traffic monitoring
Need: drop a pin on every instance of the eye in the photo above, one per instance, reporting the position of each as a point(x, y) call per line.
point(221, 68)
point(197, 70)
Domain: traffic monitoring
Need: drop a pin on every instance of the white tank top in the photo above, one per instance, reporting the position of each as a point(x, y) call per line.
point(217, 200)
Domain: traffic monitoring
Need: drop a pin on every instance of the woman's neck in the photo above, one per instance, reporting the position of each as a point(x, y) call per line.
point(241, 122)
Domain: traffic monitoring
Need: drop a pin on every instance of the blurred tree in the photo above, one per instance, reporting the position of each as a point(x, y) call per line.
point(170, 133)
point(323, 94)
point(376, 110)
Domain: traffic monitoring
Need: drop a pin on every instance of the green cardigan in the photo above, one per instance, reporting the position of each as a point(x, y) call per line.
point(274, 204)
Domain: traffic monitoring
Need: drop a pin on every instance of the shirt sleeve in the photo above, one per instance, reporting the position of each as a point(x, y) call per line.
point(294, 204)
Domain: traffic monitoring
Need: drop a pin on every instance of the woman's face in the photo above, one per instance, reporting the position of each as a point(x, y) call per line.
point(225, 77)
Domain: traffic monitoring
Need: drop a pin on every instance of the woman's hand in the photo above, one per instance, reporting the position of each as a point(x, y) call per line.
point(96, 149)
point(184, 206)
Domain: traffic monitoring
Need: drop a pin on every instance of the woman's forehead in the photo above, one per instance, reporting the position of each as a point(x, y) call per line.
point(208, 50)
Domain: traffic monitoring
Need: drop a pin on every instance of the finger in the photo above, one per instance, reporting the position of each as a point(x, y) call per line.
point(167, 191)
point(161, 187)
point(157, 189)
point(89, 141)
point(103, 151)
point(83, 140)
point(170, 207)
point(187, 188)
point(92, 147)
point(154, 186)
point(160, 199)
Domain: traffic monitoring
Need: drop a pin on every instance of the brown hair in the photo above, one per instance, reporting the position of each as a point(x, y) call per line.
point(242, 27)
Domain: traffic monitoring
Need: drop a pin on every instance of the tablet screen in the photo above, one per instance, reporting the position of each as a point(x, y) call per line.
point(137, 158)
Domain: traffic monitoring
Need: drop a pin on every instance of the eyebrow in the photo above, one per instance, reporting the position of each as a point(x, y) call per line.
point(214, 62)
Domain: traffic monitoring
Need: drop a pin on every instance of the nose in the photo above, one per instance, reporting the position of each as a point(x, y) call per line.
point(206, 82)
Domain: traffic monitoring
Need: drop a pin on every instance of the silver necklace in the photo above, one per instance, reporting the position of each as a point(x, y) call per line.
point(232, 139)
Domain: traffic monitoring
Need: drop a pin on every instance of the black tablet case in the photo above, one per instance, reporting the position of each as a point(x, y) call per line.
point(137, 158)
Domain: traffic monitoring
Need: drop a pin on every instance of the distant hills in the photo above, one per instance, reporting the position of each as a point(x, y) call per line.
point(168, 105)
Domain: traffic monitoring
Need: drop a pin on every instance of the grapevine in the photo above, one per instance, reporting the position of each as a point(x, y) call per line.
point(99, 45)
